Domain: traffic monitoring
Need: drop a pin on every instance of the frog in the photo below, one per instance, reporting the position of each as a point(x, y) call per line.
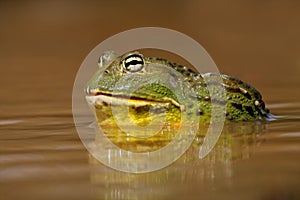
point(242, 101)
point(133, 89)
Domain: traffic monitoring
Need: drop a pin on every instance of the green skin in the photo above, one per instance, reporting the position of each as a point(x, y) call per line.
point(242, 101)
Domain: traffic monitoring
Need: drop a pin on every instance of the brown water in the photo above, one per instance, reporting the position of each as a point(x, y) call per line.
point(42, 45)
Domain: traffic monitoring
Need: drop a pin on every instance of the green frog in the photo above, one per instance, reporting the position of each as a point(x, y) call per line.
point(242, 102)
point(160, 97)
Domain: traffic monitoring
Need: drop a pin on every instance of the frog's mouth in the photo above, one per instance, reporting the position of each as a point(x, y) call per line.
point(107, 98)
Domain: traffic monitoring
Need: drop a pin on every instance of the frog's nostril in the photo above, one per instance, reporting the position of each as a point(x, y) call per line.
point(91, 91)
point(88, 90)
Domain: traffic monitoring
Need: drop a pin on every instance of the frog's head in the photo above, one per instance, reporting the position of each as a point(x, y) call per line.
point(113, 81)
point(132, 90)
point(111, 69)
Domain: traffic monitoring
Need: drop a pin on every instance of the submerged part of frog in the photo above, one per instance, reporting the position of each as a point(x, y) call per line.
point(243, 102)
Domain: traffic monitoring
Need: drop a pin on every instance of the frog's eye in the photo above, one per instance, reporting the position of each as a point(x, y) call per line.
point(133, 63)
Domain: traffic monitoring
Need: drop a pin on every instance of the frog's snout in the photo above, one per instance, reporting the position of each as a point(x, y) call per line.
point(90, 91)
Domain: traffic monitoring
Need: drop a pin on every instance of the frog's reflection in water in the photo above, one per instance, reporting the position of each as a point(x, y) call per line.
point(189, 175)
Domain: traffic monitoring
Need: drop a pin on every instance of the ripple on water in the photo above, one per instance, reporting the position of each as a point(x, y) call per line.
point(9, 122)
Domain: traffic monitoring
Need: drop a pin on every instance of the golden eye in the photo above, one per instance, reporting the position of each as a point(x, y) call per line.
point(133, 63)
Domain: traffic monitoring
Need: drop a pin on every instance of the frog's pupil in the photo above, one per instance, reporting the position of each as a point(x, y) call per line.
point(134, 63)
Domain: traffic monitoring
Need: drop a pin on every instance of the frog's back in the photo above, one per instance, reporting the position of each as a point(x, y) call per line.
point(243, 102)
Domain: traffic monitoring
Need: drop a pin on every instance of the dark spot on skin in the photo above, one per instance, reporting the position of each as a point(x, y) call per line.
point(160, 59)
point(141, 109)
point(190, 82)
point(184, 68)
point(197, 77)
point(238, 81)
point(230, 89)
point(105, 104)
point(262, 105)
point(248, 96)
point(236, 105)
point(169, 63)
point(238, 90)
point(229, 117)
point(249, 109)
point(182, 71)
point(190, 70)
point(257, 95)
point(206, 98)
point(245, 93)
point(199, 112)
point(186, 73)
point(267, 110)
